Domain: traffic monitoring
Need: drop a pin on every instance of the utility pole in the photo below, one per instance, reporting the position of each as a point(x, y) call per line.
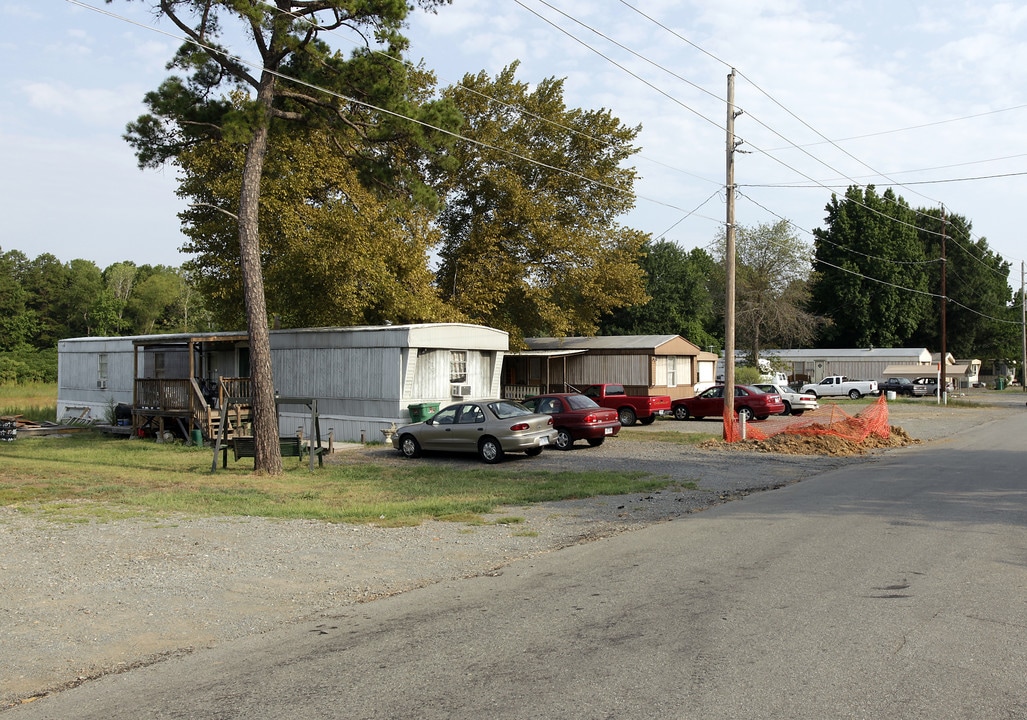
point(729, 262)
point(942, 380)
point(1023, 329)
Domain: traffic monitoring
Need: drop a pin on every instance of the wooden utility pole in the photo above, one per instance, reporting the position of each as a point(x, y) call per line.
point(1023, 328)
point(729, 261)
point(942, 380)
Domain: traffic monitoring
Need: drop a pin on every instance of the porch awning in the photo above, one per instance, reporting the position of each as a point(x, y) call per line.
point(545, 353)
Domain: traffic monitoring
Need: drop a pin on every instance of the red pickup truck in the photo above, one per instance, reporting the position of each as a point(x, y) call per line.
point(630, 408)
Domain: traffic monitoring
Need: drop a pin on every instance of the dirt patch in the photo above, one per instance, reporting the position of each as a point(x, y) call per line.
point(831, 445)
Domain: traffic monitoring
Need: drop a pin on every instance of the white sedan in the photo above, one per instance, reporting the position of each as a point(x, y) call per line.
point(796, 403)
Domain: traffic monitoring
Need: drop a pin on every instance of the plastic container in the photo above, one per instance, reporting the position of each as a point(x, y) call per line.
point(197, 436)
point(889, 394)
point(420, 412)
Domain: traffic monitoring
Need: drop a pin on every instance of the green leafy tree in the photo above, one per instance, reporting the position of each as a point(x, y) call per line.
point(15, 317)
point(224, 100)
point(980, 319)
point(46, 280)
point(336, 252)
point(120, 278)
point(154, 304)
point(79, 299)
point(870, 274)
point(534, 248)
point(771, 288)
point(680, 301)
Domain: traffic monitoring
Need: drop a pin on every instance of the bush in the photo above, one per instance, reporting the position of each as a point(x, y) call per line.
point(27, 365)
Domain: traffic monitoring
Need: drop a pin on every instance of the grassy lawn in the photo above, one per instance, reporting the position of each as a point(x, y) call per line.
point(33, 401)
point(89, 477)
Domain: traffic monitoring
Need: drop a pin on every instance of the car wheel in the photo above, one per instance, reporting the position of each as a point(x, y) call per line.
point(788, 408)
point(680, 412)
point(814, 394)
point(746, 413)
point(564, 441)
point(533, 452)
point(649, 420)
point(626, 416)
point(797, 413)
point(409, 446)
point(596, 442)
point(762, 417)
point(490, 451)
point(855, 394)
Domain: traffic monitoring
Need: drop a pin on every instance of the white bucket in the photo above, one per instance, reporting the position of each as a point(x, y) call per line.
point(890, 394)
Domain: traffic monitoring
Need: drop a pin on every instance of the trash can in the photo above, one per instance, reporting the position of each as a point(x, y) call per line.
point(889, 394)
point(1000, 384)
point(422, 411)
point(197, 436)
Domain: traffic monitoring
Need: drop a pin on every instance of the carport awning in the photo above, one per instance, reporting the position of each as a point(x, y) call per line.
point(910, 371)
point(915, 371)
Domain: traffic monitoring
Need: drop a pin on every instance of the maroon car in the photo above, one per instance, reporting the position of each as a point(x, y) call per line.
point(576, 417)
point(749, 401)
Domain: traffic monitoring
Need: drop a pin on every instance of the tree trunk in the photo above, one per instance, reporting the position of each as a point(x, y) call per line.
point(268, 458)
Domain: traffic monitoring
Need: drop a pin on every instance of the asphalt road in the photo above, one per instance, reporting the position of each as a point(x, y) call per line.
point(894, 589)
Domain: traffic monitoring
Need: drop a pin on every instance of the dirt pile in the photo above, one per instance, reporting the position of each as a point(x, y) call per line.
point(830, 445)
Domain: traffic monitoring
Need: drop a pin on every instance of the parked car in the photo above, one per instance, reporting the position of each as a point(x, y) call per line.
point(487, 427)
point(931, 385)
point(903, 386)
point(576, 417)
point(795, 402)
point(750, 402)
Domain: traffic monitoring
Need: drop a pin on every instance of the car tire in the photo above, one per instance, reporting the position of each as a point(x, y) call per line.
point(788, 408)
point(814, 394)
point(680, 412)
point(409, 446)
point(533, 452)
point(797, 413)
point(855, 394)
point(626, 416)
point(564, 441)
point(490, 451)
point(762, 417)
point(747, 413)
point(596, 442)
point(649, 420)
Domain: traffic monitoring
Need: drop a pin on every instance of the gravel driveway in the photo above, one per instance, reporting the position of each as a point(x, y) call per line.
point(81, 600)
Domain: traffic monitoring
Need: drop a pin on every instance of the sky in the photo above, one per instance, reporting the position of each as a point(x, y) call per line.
point(929, 98)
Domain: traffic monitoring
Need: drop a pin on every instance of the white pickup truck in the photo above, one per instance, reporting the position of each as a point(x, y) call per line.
point(838, 385)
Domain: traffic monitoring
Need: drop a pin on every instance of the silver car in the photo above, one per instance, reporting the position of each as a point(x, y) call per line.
point(487, 427)
point(796, 403)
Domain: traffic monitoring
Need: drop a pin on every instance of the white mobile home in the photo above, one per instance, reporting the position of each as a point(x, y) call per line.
point(856, 363)
point(363, 378)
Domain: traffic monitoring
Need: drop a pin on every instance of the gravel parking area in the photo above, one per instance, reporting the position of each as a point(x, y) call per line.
point(81, 600)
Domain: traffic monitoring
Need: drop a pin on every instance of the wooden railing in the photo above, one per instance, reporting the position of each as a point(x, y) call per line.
point(163, 394)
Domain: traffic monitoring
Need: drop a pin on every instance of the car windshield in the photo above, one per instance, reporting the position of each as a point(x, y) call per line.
point(580, 402)
point(503, 409)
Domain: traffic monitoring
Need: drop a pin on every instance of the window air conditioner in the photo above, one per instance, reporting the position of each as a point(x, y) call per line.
point(101, 384)
point(459, 390)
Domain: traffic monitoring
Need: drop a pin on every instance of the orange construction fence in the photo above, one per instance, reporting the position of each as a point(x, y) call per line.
point(828, 420)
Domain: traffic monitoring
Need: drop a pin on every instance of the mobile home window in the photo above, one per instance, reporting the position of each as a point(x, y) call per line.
point(458, 366)
point(101, 366)
point(158, 365)
point(672, 371)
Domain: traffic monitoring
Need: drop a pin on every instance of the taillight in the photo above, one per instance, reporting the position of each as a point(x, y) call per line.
point(590, 418)
point(550, 420)
point(525, 426)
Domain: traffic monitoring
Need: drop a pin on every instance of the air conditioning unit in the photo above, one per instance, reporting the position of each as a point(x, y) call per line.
point(101, 384)
point(459, 390)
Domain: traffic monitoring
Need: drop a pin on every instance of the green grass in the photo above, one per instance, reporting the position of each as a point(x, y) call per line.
point(33, 401)
point(91, 477)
